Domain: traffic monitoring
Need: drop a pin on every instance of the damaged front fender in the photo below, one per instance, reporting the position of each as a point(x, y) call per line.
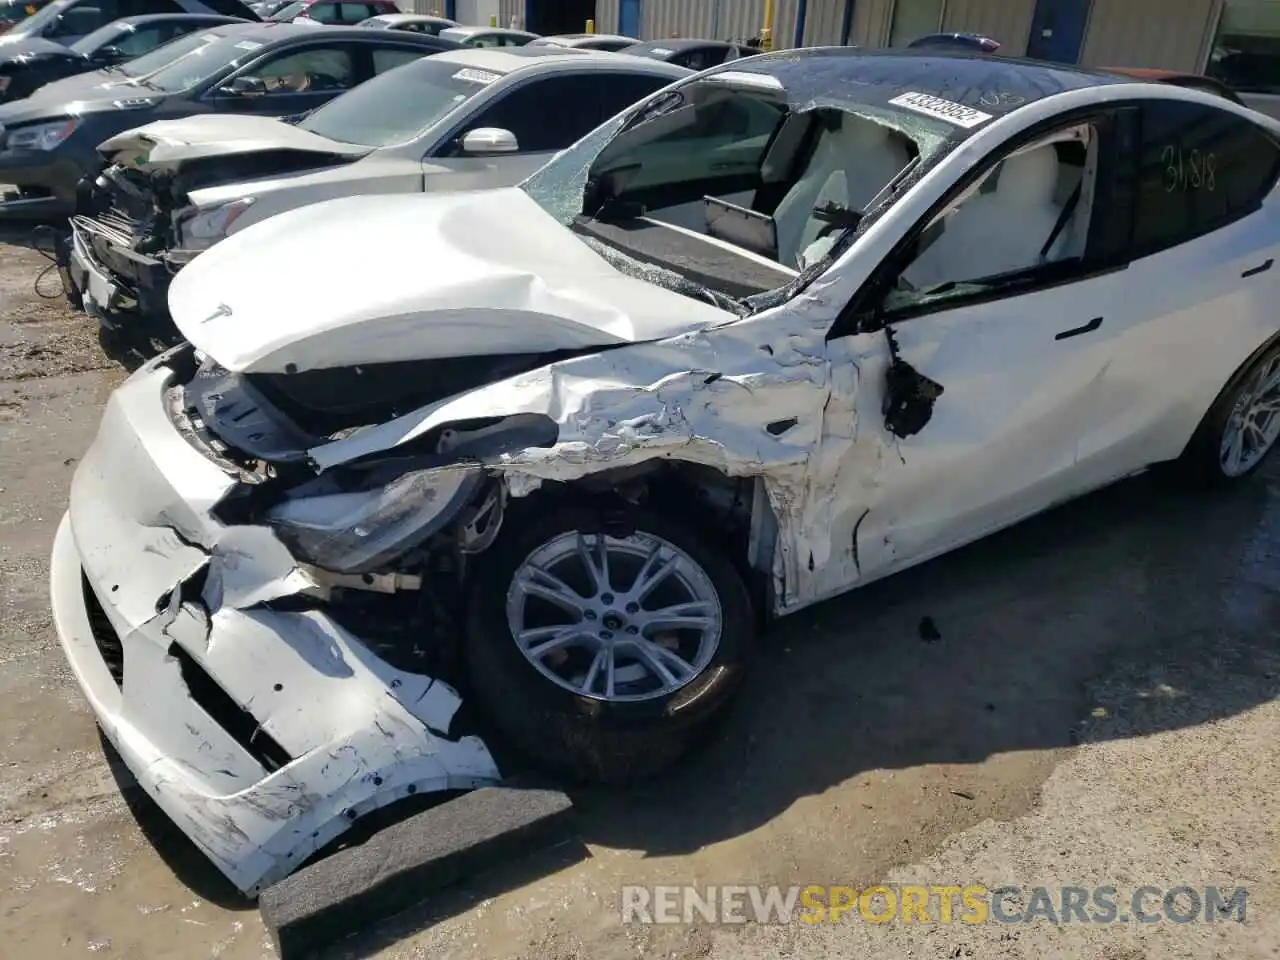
point(740, 399)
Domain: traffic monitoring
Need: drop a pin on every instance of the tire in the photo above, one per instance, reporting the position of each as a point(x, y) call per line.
point(1208, 459)
point(591, 737)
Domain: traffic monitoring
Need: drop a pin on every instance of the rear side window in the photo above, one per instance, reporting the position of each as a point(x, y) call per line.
point(355, 12)
point(588, 102)
point(322, 12)
point(1200, 168)
point(388, 58)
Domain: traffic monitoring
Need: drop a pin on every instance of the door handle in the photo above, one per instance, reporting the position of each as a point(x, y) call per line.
point(1089, 327)
point(1260, 268)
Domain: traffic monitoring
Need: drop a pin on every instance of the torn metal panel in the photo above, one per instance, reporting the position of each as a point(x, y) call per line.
point(263, 733)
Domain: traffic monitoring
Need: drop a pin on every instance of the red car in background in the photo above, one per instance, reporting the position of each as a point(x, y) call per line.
point(345, 13)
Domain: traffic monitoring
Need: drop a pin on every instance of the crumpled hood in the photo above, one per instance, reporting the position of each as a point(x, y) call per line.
point(387, 278)
point(168, 143)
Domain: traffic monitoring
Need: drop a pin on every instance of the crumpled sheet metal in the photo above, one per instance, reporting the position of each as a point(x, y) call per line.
point(706, 397)
point(361, 733)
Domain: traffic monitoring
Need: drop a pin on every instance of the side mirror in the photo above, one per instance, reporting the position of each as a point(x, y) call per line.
point(487, 141)
point(108, 56)
point(244, 87)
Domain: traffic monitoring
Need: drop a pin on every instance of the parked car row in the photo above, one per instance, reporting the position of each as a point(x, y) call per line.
point(50, 139)
point(462, 119)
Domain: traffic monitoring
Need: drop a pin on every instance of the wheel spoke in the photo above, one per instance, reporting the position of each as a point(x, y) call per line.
point(691, 615)
point(661, 661)
point(538, 582)
point(543, 640)
point(596, 562)
point(653, 572)
point(1269, 379)
point(593, 672)
point(1234, 452)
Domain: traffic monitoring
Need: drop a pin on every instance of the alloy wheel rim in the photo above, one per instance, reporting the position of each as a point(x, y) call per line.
point(1254, 423)
point(614, 618)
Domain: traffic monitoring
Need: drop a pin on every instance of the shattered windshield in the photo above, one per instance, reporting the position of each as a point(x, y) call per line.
point(725, 161)
point(399, 104)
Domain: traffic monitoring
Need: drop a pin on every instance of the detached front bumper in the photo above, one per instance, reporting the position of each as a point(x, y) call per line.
point(263, 734)
point(111, 279)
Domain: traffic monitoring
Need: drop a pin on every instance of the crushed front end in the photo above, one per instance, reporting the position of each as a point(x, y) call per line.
point(265, 703)
point(122, 235)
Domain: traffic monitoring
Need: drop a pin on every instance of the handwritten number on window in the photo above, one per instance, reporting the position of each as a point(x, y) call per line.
point(1188, 170)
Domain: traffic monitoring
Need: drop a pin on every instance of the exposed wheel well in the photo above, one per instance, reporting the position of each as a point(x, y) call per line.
point(719, 506)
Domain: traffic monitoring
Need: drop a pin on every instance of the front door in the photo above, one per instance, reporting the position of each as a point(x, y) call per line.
point(1057, 30)
point(996, 303)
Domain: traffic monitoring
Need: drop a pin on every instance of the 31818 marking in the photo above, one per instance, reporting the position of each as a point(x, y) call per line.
point(1188, 169)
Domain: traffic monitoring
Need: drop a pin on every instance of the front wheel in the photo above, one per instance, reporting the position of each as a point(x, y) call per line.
point(1242, 426)
point(599, 643)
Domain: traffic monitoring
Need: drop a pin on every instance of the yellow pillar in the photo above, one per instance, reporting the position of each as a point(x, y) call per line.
point(766, 32)
point(591, 26)
point(493, 20)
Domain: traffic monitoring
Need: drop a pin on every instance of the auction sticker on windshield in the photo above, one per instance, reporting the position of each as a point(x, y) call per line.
point(476, 76)
point(941, 109)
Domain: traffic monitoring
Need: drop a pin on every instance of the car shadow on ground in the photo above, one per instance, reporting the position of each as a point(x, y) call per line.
point(984, 652)
point(192, 868)
point(990, 650)
point(134, 341)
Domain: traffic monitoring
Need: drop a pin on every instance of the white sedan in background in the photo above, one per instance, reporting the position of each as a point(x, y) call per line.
point(462, 119)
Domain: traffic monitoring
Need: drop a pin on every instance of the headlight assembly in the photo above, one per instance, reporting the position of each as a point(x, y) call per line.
point(207, 227)
point(42, 136)
point(359, 531)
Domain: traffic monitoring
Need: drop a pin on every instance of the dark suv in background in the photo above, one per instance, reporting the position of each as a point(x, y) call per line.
point(27, 64)
point(66, 21)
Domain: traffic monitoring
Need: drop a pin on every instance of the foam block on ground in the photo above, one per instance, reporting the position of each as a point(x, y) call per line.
point(404, 863)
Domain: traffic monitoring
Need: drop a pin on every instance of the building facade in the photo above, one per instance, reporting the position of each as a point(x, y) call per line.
point(1192, 35)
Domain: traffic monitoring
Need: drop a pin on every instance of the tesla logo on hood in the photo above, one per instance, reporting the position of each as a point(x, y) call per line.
point(222, 311)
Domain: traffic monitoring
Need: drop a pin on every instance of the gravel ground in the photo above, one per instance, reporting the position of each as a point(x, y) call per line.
point(1100, 708)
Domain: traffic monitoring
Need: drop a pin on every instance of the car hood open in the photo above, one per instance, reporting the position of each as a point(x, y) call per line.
point(365, 280)
point(170, 143)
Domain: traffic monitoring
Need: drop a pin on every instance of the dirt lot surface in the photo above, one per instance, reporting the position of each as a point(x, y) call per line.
point(1092, 701)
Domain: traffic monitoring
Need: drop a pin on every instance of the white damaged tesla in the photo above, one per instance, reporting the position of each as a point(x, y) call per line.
point(786, 327)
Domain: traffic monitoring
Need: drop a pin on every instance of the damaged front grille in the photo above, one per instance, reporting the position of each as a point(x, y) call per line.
point(105, 637)
point(224, 711)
